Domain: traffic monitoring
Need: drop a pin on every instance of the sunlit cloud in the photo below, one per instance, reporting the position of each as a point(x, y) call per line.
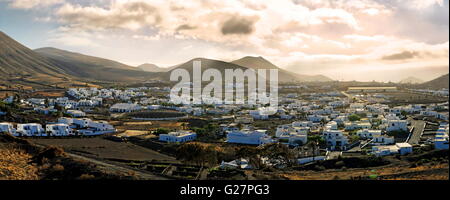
point(349, 34)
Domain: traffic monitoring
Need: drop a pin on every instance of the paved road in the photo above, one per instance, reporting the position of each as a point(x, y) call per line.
point(418, 125)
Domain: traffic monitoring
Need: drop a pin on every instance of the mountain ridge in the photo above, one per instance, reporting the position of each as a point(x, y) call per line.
point(283, 75)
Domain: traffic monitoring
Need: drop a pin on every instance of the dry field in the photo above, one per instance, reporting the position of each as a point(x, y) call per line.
point(436, 172)
point(14, 165)
point(105, 149)
point(151, 125)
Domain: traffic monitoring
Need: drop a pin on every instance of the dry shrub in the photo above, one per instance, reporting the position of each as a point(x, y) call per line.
point(86, 177)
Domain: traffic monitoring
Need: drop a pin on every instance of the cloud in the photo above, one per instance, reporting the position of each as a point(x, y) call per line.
point(402, 56)
point(296, 33)
point(185, 27)
point(133, 15)
point(29, 4)
point(238, 25)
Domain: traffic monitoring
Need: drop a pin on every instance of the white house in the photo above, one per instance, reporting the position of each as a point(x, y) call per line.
point(316, 118)
point(398, 148)
point(125, 107)
point(101, 126)
point(383, 140)
point(404, 148)
point(292, 135)
point(58, 130)
point(81, 122)
point(256, 137)
point(357, 125)
point(258, 114)
point(331, 125)
point(76, 113)
point(368, 134)
point(302, 124)
point(9, 99)
point(441, 138)
point(335, 138)
point(397, 125)
point(8, 128)
point(31, 129)
point(224, 128)
point(296, 138)
point(88, 127)
point(179, 136)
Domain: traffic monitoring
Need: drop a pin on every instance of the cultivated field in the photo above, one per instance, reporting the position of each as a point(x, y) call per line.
point(105, 149)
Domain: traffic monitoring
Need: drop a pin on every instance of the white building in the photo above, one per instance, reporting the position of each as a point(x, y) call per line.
point(101, 126)
point(256, 137)
point(316, 118)
point(397, 125)
point(179, 136)
point(441, 138)
point(368, 134)
point(8, 128)
point(258, 114)
point(76, 113)
point(383, 140)
point(125, 107)
point(58, 130)
point(88, 127)
point(335, 138)
point(398, 148)
point(31, 129)
point(357, 125)
point(302, 124)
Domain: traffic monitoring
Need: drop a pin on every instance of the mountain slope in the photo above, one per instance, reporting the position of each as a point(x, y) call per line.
point(151, 68)
point(283, 75)
point(255, 63)
point(18, 60)
point(436, 84)
point(93, 67)
point(207, 64)
point(411, 80)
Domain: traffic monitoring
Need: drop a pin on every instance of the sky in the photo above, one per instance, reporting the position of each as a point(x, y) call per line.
point(363, 40)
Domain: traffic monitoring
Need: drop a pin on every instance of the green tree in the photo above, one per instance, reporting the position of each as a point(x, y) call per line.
point(354, 117)
point(160, 131)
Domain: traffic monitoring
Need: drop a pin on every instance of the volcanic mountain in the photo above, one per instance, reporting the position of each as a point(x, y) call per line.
point(17, 60)
point(437, 83)
point(411, 80)
point(92, 67)
point(151, 68)
point(283, 75)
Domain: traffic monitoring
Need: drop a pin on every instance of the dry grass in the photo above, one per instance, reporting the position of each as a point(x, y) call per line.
point(137, 123)
point(391, 173)
point(15, 165)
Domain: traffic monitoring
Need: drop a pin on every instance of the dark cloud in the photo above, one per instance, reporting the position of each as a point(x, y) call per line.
point(185, 27)
point(402, 56)
point(238, 25)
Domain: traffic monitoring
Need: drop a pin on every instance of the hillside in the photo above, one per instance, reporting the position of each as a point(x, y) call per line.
point(151, 68)
point(93, 67)
point(436, 84)
point(206, 64)
point(255, 63)
point(17, 60)
point(283, 75)
point(411, 80)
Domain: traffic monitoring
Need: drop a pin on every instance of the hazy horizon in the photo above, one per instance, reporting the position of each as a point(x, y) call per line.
point(345, 40)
